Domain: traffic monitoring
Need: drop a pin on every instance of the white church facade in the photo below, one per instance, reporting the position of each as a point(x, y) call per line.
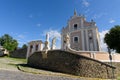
point(79, 37)
point(84, 36)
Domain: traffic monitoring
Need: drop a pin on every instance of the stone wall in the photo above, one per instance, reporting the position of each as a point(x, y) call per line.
point(117, 65)
point(20, 53)
point(68, 62)
point(1, 53)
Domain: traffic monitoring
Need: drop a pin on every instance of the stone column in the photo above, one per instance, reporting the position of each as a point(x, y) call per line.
point(62, 41)
point(33, 49)
point(39, 46)
point(91, 46)
point(82, 25)
point(94, 40)
point(94, 55)
point(83, 43)
point(87, 40)
point(82, 34)
point(28, 51)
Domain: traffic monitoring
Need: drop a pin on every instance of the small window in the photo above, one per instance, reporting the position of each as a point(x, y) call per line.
point(90, 38)
point(64, 41)
point(76, 39)
point(75, 26)
point(31, 48)
point(36, 47)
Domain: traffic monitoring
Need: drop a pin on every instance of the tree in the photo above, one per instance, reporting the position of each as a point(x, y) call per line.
point(112, 38)
point(8, 42)
point(24, 46)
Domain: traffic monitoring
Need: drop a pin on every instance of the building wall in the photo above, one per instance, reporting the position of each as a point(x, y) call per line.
point(71, 63)
point(76, 20)
point(34, 46)
point(84, 31)
point(76, 46)
point(101, 56)
point(20, 53)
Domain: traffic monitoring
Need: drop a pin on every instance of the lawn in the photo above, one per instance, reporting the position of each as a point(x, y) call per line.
point(10, 63)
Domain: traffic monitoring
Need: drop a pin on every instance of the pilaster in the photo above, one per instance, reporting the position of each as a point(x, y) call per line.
point(87, 40)
point(94, 40)
point(83, 45)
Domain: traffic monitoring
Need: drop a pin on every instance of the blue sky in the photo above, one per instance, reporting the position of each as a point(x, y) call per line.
point(27, 20)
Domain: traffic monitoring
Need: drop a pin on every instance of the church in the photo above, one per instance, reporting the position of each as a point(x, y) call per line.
point(79, 37)
point(80, 52)
point(84, 36)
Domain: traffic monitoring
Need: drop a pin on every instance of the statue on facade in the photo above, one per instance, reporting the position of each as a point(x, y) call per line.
point(67, 38)
point(46, 47)
point(66, 42)
point(53, 43)
point(46, 44)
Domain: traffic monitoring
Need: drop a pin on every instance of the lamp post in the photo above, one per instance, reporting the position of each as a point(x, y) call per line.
point(110, 57)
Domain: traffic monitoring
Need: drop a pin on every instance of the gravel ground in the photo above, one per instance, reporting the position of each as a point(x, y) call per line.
point(17, 75)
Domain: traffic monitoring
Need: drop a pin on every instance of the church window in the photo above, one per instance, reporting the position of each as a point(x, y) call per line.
point(75, 39)
point(64, 41)
point(90, 38)
point(75, 26)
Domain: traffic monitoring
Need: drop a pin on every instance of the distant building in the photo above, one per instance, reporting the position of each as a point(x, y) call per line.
point(3, 51)
point(34, 46)
point(84, 36)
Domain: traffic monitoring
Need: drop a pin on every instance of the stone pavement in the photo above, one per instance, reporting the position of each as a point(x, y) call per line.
point(17, 75)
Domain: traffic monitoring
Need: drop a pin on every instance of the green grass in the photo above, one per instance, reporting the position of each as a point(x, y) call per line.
point(10, 63)
point(118, 78)
point(28, 69)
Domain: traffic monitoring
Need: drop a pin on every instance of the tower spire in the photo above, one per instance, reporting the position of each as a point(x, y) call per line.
point(75, 13)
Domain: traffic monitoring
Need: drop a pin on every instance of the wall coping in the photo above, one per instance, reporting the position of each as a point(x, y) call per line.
point(102, 63)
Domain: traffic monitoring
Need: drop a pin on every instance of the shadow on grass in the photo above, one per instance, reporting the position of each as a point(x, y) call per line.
point(4, 55)
point(29, 69)
point(13, 64)
point(26, 68)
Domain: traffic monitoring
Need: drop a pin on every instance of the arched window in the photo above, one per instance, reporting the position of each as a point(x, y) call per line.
point(75, 26)
point(75, 39)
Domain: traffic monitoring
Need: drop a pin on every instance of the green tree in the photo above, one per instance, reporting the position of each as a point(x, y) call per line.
point(8, 42)
point(24, 46)
point(112, 38)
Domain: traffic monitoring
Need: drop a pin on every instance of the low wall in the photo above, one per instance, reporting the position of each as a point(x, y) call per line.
point(68, 62)
point(101, 56)
point(117, 65)
point(20, 53)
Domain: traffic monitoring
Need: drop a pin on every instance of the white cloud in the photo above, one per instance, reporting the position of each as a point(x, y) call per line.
point(96, 16)
point(30, 16)
point(87, 11)
point(38, 24)
point(85, 3)
point(52, 34)
point(102, 35)
point(111, 21)
point(21, 36)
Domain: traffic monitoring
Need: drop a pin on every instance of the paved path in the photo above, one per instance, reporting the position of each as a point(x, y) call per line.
point(17, 75)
